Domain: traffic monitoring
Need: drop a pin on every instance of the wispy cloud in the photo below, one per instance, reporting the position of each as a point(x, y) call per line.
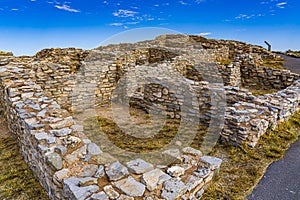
point(116, 24)
point(14, 9)
point(281, 5)
point(205, 33)
point(199, 1)
point(183, 3)
point(124, 13)
point(244, 16)
point(67, 8)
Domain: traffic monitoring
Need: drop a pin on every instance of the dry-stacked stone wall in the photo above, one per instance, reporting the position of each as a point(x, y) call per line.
point(175, 74)
point(70, 166)
point(256, 76)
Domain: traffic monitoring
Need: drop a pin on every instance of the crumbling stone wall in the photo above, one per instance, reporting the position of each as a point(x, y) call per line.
point(69, 166)
point(39, 94)
point(254, 75)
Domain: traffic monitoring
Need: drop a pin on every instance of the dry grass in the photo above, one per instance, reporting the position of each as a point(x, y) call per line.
point(261, 92)
point(16, 179)
point(241, 170)
point(276, 63)
point(293, 53)
point(243, 167)
point(224, 62)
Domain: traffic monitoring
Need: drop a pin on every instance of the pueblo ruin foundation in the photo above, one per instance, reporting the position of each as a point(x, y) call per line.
point(55, 101)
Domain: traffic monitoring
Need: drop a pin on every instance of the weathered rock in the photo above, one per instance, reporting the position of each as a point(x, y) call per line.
point(176, 171)
point(130, 187)
point(99, 196)
point(62, 174)
point(124, 197)
point(111, 192)
point(139, 166)
point(61, 132)
point(100, 172)
point(89, 170)
point(212, 162)
point(93, 149)
point(72, 188)
point(116, 171)
point(192, 151)
point(153, 178)
point(55, 161)
point(172, 189)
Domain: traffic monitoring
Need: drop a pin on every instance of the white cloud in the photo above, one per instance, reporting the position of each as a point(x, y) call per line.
point(33, 0)
point(14, 9)
point(116, 24)
point(244, 16)
point(183, 3)
point(264, 2)
point(124, 13)
point(281, 4)
point(199, 1)
point(132, 23)
point(205, 33)
point(67, 8)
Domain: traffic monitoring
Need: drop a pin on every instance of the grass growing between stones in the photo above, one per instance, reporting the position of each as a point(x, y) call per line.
point(261, 92)
point(16, 179)
point(243, 167)
point(275, 63)
point(224, 62)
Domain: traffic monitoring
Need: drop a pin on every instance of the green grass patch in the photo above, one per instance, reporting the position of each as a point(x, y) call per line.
point(261, 92)
point(276, 63)
point(16, 179)
point(243, 167)
point(223, 62)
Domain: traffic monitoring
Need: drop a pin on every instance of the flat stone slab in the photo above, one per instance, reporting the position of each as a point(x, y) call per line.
point(99, 196)
point(139, 166)
point(131, 187)
point(72, 185)
point(55, 161)
point(192, 151)
point(173, 189)
point(212, 162)
point(89, 170)
point(153, 178)
point(116, 171)
point(93, 149)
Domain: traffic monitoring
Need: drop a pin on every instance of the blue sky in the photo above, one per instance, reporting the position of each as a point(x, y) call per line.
point(27, 26)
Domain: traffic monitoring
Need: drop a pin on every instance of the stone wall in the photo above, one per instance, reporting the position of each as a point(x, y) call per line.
point(255, 76)
point(70, 166)
point(174, 74)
